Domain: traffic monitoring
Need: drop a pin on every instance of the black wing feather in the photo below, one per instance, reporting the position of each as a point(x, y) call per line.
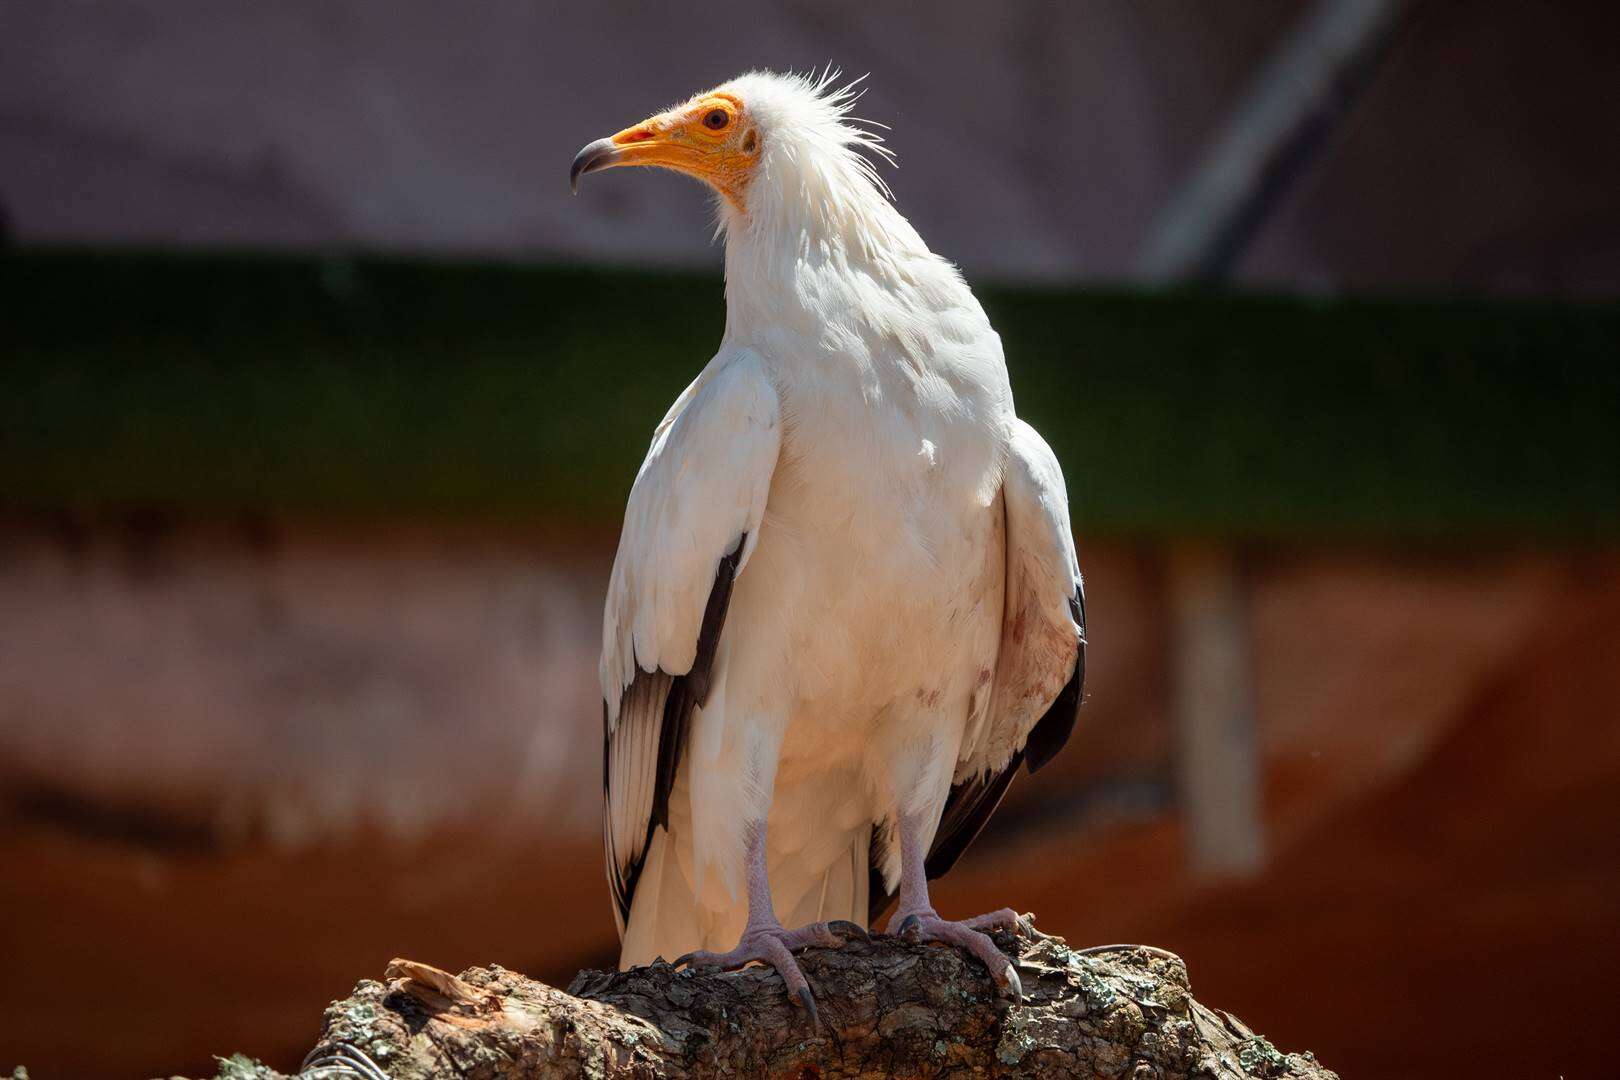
point(1053, 729)
point(681, 694)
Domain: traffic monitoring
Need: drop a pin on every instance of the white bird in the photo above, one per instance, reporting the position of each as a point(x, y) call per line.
point(846, 604)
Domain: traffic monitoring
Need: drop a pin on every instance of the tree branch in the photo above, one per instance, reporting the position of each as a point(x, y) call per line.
point(888, 1008)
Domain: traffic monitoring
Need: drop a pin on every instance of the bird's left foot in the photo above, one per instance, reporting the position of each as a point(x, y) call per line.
point(968, 935)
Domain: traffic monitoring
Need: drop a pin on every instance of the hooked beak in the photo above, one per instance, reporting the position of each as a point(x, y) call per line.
point(601, 154)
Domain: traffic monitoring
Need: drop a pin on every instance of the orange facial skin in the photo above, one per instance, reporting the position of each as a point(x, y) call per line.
point(709, 137)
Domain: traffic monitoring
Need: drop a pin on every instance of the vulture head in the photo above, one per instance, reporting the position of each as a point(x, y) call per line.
point(762, 137)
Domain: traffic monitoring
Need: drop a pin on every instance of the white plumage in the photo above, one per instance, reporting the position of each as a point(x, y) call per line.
point(846, 591)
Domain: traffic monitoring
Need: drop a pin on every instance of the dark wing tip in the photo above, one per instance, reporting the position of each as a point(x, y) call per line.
point(1052, 731)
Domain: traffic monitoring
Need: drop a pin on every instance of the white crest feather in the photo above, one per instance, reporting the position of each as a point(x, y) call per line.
point(818, 164)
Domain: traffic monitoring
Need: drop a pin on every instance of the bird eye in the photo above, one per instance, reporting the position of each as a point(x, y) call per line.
point(716, 119)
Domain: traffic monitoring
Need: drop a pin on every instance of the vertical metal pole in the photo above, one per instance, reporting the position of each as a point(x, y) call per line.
point(1299, 95)
point(1217, 747)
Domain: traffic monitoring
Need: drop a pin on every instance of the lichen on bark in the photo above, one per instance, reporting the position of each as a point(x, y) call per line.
point(888, 1008)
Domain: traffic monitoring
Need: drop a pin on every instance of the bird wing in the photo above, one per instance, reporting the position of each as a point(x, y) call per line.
point(1041, 665)
point(691, 523)
point(1041, 669)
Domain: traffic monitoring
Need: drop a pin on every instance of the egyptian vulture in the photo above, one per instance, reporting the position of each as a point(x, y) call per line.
point(846, 605)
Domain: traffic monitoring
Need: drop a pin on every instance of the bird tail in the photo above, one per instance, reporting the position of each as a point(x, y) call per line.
point(666, 919)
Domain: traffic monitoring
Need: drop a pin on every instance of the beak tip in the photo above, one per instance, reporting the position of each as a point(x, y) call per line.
point(597, 155)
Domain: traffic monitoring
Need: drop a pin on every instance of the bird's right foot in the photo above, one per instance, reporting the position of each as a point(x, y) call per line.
point(774, 945)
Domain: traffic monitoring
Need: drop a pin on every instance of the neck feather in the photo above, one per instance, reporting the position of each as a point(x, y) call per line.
point(816, 208)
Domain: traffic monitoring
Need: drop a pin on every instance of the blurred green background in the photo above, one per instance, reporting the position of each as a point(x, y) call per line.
point(376, 387)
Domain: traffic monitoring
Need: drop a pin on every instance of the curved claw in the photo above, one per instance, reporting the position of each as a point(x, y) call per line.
point(807, 1002)
point(910, 929)
point(846, 930)
point(687, 960)
point(1013, 987)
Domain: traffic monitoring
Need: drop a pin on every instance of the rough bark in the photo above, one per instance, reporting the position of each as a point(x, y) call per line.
point(888, 1009)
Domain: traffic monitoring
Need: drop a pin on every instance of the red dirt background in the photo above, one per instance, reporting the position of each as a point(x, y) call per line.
point(1442, 796)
